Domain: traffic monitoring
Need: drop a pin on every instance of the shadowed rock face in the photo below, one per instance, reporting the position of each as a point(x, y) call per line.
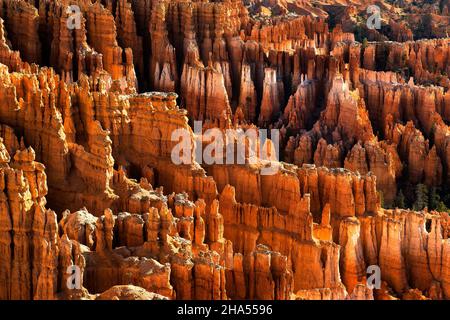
point(88, 183)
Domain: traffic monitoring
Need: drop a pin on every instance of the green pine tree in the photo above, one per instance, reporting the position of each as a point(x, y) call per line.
point(434, 198)
point(400, 200)
point(446, 198)
point(365, 43)
point(421, 197)
point(441, 207)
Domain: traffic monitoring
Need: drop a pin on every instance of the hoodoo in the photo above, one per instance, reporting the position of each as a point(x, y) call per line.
point(324, 143)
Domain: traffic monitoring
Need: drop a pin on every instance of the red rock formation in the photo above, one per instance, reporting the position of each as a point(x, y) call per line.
point(352, 264)
point(162, 63)
point(128, 292)
point(22, 24)
point(204, 89)
point(101, 34)
point(247, 99)
point(382, 163)
point(127, 34)
point(299, 109)
point(433, 169)
point(30, 242)
point(7, 56)
point(272, 97)
point(356, 123)
point(261, 275)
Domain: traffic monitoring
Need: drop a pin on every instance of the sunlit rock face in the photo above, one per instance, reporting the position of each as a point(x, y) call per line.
point(346, 198)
